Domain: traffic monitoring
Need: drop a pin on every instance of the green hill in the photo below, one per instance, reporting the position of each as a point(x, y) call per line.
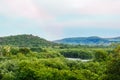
point(25, 41)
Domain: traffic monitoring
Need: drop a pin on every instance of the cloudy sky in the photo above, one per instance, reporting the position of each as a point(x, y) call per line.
point(56, 19)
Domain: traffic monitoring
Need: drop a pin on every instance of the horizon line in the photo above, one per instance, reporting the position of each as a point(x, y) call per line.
point(61, 38)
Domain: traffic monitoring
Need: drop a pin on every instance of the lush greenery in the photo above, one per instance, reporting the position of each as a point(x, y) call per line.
point(18, 63)
point(25, 41)
point(33, 58)
point(77, 53)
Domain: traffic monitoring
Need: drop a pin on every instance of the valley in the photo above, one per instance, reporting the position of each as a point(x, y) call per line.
point(28, 57)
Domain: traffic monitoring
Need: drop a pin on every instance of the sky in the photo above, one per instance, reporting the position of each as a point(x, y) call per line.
point(57, 19)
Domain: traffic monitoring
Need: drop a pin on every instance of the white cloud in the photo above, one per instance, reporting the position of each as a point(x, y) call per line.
point(82, 6)
point(45, 13)
point(22, 8)
point(49, 9)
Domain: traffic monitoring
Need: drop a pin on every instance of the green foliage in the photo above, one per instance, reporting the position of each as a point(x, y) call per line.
point(113, 69)
point(28, 57)
point(37, 49)
point(113, 66)
point(25, 41)
point(14, 50)
point(116, 52)
point(77, 53)
point(41, 63)
point(100, 55)
point(24, 50)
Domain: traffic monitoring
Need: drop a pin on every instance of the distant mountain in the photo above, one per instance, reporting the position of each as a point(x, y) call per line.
point(94, 40)
point(116, 39)
point(35, 41)
point(25, 41)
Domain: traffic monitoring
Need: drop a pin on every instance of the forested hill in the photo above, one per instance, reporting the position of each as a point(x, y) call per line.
point(25, 41)
point(89, 40)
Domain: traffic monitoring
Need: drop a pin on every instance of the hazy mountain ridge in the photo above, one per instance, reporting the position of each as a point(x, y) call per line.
point(26, 40)
point(116, 39)
point(94, 40)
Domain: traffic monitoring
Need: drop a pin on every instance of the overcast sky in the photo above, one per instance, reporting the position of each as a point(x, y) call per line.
point(56, 19)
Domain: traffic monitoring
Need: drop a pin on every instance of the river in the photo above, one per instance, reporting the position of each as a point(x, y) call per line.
point(77, 59)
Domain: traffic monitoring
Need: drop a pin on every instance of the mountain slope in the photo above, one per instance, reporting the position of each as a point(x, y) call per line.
point(25, 41)
point(89, 40)
point(116, 39)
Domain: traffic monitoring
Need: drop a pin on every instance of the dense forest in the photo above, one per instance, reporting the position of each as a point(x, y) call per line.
point(26, 57)
point(25, 41)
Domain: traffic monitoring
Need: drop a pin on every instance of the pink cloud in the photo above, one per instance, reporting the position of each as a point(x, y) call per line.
point(45, 12)
point(98, 7)
point(23, 8)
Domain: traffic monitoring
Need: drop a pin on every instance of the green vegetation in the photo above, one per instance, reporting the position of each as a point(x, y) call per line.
point(50, 63)
point(77, 53)
point(25, 41)
point(18, 63)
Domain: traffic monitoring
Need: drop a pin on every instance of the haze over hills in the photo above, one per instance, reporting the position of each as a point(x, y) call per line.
point(94, 40)
point(25, 41)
